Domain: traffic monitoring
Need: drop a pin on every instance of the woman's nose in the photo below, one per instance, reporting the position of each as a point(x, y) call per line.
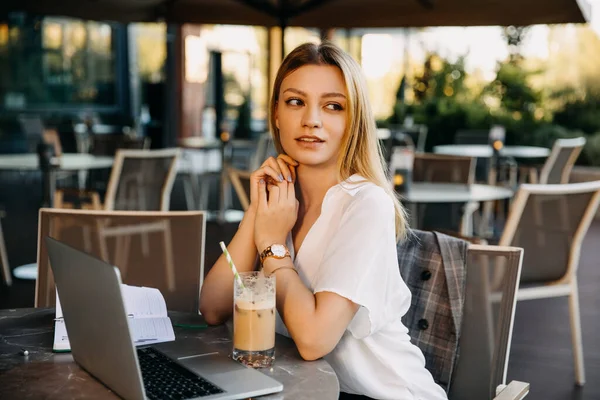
point(312, 118)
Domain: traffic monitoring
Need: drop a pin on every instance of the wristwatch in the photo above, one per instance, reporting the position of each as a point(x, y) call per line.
point(277, 251)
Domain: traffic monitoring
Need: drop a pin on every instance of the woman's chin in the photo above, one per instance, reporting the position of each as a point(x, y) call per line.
point(310, 157)
point(311, 161)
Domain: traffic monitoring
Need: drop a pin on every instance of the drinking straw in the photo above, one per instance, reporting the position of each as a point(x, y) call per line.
point(231, 265)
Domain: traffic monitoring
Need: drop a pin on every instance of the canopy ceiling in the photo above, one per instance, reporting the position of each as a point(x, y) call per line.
point(316, 13)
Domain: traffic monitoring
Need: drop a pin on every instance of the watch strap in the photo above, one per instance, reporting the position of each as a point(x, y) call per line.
point(268, 252)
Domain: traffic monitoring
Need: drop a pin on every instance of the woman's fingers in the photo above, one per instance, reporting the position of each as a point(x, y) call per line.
point(262, 194)
point(291, 192)
point(289, 160)
point(273, 164)
point(285, 169)
point(274, 194)
point(267, 172)
point(284, 165)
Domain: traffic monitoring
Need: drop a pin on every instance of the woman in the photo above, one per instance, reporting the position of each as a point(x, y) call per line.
point(325, 221)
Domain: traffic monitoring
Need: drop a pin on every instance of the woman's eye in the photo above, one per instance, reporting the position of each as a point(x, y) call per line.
point(334, 107)
point(294, 102)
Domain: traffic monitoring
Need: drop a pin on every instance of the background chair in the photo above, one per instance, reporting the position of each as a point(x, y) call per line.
point(559, 163)
point(184, 246)
point(472, 136)
point(443, 169)
point(439, 168)
point(467, 348)
point(141, 180)
point(484, 344)
point(418, 134)
point(481, 137)
point(240, 180)
point(550, 222)
point(6, 274)
point(264, 149)
point(107, 145)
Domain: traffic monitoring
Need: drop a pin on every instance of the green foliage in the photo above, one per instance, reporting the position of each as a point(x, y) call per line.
point(591, 151)
point(546, 135)
point(440, 78)
point(445, 104)
point(582, 114)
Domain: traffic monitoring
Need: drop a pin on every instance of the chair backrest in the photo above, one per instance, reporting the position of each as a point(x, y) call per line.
point(559, 163)
point(31, 125)
point(142, 180)
point(550, 222)
point(418, 134)
point(108, 144)
point(487, 323)
point(264, 148)
point(71, 198)
point(164, 250)
point(443, 168)
point(240, 180)
point(472, 136)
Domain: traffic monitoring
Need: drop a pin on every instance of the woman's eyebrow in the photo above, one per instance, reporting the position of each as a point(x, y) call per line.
point(333, 94)
point(300, 92)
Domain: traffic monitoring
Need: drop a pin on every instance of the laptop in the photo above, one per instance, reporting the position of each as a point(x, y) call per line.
point(101, 342)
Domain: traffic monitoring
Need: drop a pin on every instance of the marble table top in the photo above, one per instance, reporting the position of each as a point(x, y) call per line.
point(66, 162)
point(429, 192)
point(485, 151)
point(43, 374)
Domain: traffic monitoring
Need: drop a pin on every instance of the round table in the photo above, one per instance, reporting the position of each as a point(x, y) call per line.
point(485, 151)
point(44, 374)
point(452, 193)
point(66, 162)
point(200, 143)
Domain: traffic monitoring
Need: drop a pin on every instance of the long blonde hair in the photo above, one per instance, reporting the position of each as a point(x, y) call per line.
point(360, 153)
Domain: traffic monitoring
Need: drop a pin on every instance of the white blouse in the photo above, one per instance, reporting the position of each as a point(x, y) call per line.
point(351, 250)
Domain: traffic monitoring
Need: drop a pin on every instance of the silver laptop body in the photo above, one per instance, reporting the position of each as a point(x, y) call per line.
point(101, 342)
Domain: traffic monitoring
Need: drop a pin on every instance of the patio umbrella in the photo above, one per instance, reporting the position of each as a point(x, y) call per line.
point(317, 13)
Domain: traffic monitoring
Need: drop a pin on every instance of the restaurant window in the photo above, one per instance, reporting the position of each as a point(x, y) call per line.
point(47, 62)
point(244, 52)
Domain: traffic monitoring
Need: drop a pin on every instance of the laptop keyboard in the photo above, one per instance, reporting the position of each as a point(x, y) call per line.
point(165, 379)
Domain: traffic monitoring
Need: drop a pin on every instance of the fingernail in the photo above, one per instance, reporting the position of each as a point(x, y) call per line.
point(262, 181)
point(280, 178)
point(290, 178)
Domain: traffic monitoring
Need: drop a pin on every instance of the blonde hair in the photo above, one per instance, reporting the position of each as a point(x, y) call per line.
point(360, 153)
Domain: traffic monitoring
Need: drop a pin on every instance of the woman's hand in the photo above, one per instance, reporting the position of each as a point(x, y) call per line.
point(272, 171)
point(276, 213)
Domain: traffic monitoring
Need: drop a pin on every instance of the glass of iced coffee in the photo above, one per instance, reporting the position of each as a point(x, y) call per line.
point(254, 320)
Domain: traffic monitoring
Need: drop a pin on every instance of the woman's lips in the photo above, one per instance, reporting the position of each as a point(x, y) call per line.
point(309, 142)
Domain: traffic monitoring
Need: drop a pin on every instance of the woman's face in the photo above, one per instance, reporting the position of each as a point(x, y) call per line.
point(311, 114)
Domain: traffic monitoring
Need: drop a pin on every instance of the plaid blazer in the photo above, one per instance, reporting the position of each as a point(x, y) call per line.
point(433, 266)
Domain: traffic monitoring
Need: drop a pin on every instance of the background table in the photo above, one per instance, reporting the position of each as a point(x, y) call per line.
point(46, 375)
point(452, 193)
point(67, 162)
point(485, 151)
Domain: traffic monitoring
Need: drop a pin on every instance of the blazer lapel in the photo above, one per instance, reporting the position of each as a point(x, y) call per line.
point(454, 257)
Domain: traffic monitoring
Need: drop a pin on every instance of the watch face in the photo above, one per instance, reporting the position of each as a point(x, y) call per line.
point(278, 250)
